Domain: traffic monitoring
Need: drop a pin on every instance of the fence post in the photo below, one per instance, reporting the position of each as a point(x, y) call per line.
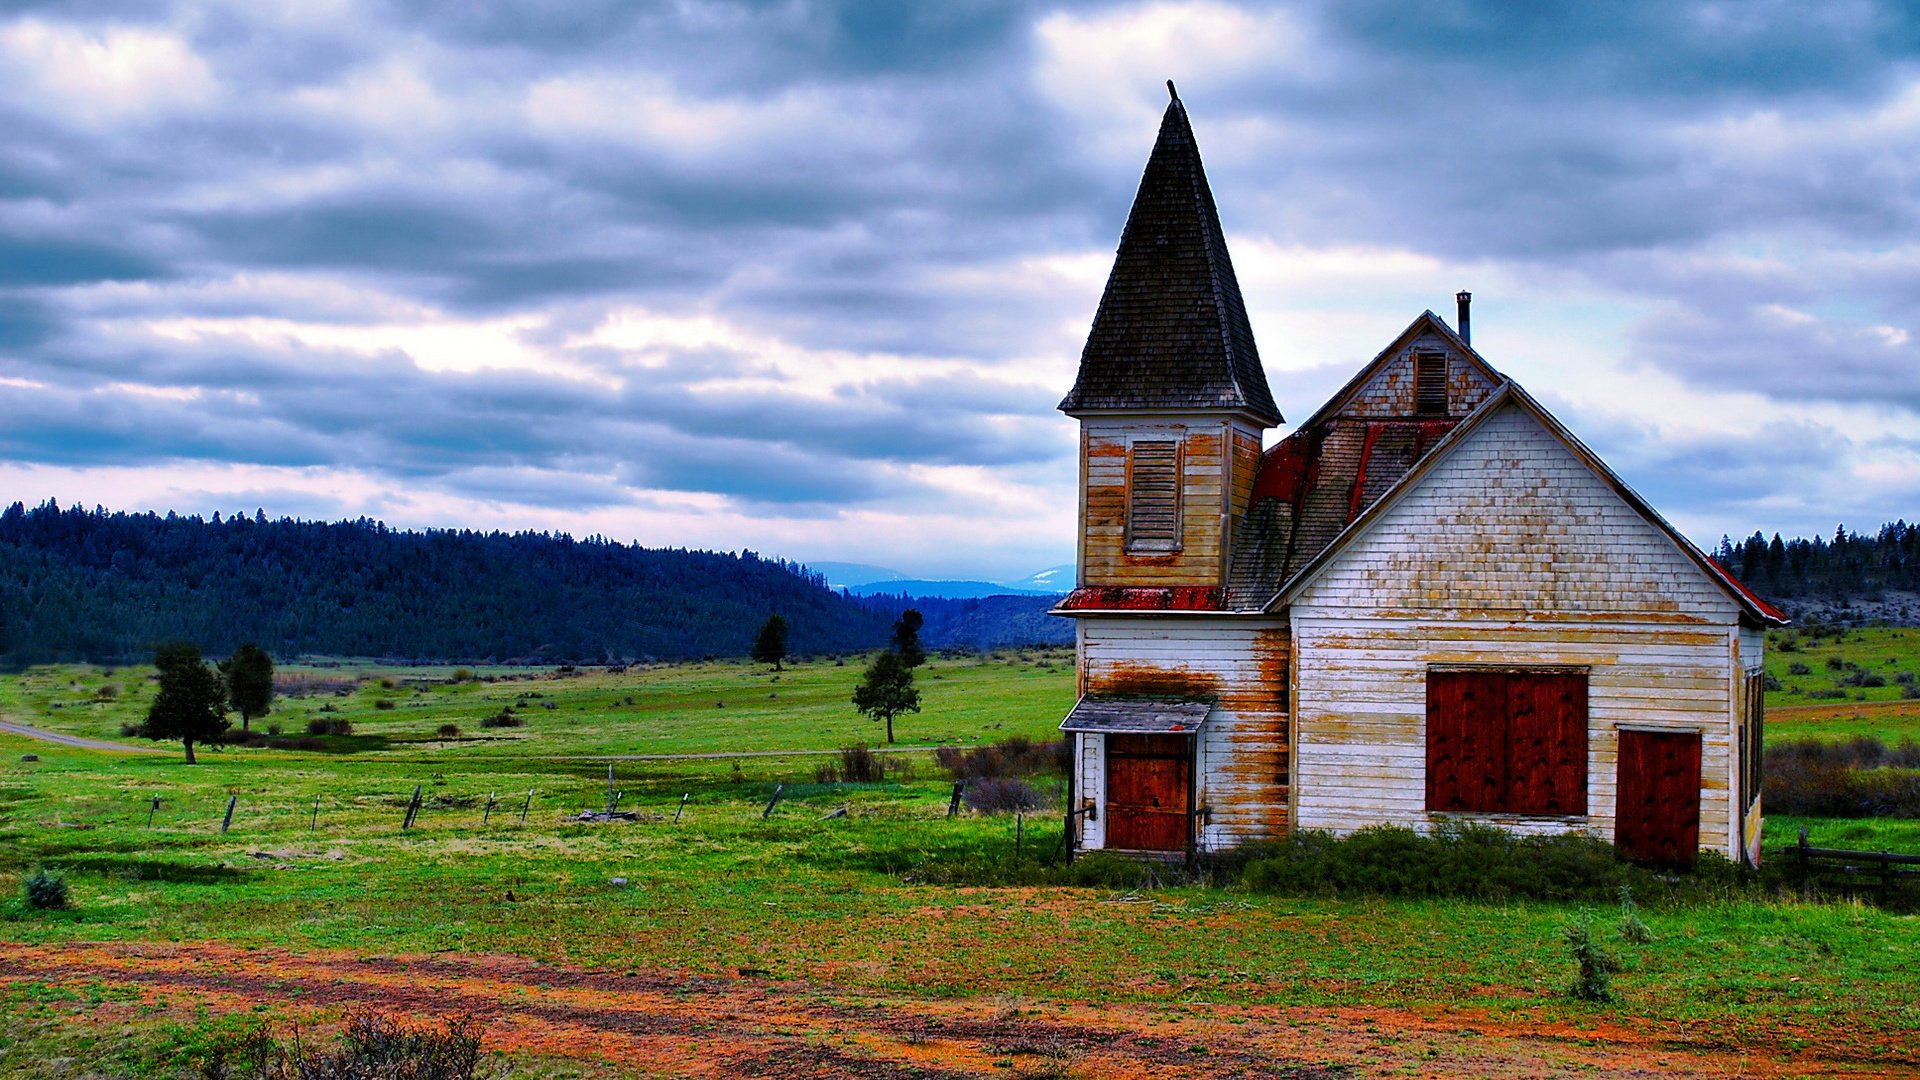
point(151, 810)
point(1019, 833)
point(683, 807)
point(413, 809)
point(1801, 851)
point(953, 804)
point(314, 821)
point(227, 822)
point(488, 816)
point(610, 796)
point(524, 807)
point(773, 802)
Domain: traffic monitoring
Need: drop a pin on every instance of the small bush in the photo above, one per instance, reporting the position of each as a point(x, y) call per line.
point(131, 731)
point(449, 731)
point(1001, 795)
point(1467, 860)
point(505, 718)
point(339, 725)
point(462, 675)
point(109, 692)
point(1837, 663)
point(1798, 668)
point(1594, 967)
point(1017, 756)
point(317, 725)
point(387, 682)
point(46, 892)
point(373, 1047)
point(1858, 777)
point(273, 729)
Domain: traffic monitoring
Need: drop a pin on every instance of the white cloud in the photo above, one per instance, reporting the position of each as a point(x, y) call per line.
point(100, 77)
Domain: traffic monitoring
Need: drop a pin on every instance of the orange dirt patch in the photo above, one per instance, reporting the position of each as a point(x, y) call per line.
point(1879, 710)
point(667, 1024)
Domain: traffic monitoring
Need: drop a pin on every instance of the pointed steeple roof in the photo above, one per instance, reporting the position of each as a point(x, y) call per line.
point(1172, 332)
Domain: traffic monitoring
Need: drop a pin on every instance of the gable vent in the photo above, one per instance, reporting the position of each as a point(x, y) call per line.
point(1429, 383)
point(1153, 501)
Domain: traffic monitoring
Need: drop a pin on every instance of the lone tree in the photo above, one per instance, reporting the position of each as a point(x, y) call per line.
point(191, 705)
point(249, 677)
point(906, 638)
point(771, 646)
point(887, 690)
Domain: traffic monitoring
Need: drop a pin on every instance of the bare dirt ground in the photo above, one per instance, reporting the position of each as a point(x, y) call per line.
point(652, 1023)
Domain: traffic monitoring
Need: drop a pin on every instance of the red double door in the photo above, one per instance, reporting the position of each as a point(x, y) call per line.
point(1149, 792)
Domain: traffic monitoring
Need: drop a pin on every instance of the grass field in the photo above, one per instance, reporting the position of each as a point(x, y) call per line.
point(801, 944)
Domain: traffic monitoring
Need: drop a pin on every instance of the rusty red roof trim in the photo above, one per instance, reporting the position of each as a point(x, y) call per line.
point(1765, 608)
point(1158, 598)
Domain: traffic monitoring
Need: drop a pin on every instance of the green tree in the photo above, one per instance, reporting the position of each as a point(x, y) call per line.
point(249, 677)
point(887, 690)
point(191, 705)
point(771, 646)
point(906, 638)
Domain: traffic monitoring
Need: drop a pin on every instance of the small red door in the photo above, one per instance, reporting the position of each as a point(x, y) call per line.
point(1149, 784)
point(1657, 819)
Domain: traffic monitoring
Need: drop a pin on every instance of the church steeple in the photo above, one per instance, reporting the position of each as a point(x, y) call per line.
point(1171, 331)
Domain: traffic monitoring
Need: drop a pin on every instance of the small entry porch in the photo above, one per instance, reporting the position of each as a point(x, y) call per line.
point(1135, 777)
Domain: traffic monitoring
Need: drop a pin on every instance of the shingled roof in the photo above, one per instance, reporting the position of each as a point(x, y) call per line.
point(1172, 331)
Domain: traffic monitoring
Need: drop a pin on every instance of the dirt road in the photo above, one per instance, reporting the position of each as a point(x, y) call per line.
point(74, 740)
point(656, 1023)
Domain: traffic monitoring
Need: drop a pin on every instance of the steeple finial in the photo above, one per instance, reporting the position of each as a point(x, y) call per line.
point(1171, 92)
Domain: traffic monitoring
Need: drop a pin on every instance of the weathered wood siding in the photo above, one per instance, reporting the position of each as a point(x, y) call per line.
point(1242, 753)
point(1510, 551)
point(1218, 457)
point(1390, 393)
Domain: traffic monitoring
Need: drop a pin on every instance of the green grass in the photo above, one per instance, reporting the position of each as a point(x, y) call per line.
point(1884, 653)
point(847, 902)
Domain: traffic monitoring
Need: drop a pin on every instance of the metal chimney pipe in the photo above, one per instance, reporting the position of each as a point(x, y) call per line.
point(1465, 300)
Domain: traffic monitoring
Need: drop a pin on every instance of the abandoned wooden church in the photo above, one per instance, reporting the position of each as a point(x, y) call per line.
point(1430, 602)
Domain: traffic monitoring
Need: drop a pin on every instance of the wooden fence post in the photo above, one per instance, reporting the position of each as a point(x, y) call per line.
point(151, 810)
point(773, 802)
point(953, 804)
point(1019, 833)
point(683, 807)
point(314, 821)
point(610, 796)
point(524, 807)
point(488, 816)
point(413, 809)
point(227, 822)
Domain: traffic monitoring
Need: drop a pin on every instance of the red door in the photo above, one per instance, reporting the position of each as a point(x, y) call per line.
point(1657, 819)
point(1149, 787)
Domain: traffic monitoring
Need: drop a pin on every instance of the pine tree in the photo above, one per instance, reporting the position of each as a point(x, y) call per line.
point(771, 646)
point(191, 704)
point(906, 638)
point(887, 690)
point(249, 678)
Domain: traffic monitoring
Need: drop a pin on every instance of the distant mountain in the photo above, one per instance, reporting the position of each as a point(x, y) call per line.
point(1054, 579)
point(947, 590)
point(990, 622)
point(848, 575)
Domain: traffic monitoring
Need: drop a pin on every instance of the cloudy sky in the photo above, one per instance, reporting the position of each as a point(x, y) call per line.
point(810, 278)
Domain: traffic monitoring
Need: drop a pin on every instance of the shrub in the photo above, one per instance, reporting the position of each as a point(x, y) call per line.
point(1594, 967)
point(382, 705)
point(1001, 795)
point(1798, 668)
point(503, 719)
point(109, 692)
point(47, 892)
point(859, 765)
point(1457, 860)
point(273, 729)
point(317, 725)
point(449, 731)
point(1837, 663)
point(373, 1047)
point(1857, 777)
point(131, 731)
point(1017, 756)
point(339, 725)
point(461, 674)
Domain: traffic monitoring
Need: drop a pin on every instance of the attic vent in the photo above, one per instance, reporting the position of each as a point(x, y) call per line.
point(1430, 383)
point(1153, 496)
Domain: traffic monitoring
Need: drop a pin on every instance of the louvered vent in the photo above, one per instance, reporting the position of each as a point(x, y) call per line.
point(1153, 504)
point(1430, 383)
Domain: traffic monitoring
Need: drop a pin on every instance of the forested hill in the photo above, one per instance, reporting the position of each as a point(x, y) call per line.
point(106, 587)
point(1849, 568)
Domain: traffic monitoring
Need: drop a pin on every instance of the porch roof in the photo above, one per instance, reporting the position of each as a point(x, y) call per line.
point(1136, 716)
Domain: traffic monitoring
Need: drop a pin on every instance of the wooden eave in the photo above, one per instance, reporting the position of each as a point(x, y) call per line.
point(1424, 322)
point(1753, 611)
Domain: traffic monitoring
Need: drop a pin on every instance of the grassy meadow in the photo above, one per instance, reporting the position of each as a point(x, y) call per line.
point(316, 862)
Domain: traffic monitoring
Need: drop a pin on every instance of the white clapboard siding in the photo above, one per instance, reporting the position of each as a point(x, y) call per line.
point(1242, 751)
point(1510, 550)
